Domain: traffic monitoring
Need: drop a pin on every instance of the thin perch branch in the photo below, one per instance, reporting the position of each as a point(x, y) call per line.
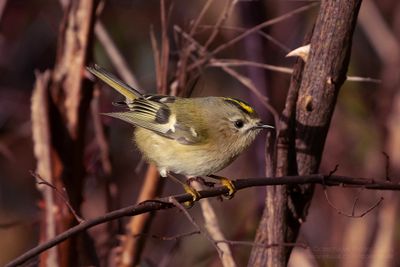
point(163, 203)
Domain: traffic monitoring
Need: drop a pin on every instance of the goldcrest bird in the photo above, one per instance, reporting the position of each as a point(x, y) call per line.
point(195, 137)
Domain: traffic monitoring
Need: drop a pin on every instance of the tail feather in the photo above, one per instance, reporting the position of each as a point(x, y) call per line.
point(129, 92)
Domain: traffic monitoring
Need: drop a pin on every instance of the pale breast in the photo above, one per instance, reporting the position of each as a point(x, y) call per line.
point(189, 160)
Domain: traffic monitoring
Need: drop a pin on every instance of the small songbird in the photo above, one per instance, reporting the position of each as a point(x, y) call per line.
point(195, 137)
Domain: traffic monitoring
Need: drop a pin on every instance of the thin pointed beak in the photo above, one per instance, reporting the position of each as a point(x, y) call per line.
point(263, 126)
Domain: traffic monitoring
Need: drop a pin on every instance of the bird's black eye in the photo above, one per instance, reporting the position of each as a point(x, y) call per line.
point(239, 124)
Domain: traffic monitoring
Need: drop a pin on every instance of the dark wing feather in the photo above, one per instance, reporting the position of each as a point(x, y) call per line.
point(151, 112)
point(154, 115)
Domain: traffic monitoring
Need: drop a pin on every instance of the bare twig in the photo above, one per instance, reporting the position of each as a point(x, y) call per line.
point(240, 63)
point(254, 244)
point(169, 238)
point(260, 32)
point(99, 132)
point(261, 26)
point(285, 70)
point(185, 52)
point(362, 79)
point(114, 55)
point(353, 210)
point(193, 222)
point(200, 17)
point(334, 170)
point(248, 32)
point(352, 214)
point(230, 242)
point(212, 226)
point(223, 16)
point(61, 195)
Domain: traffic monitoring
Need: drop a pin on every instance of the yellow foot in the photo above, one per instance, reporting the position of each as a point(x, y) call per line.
point(188, 189)
point(227, 183)
point(193, 192)
point(231, 187)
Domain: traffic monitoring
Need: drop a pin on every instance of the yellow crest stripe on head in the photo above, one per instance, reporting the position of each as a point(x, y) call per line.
point(241, 104)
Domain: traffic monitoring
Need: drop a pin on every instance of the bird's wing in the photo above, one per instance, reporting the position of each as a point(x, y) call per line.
point(152, 113)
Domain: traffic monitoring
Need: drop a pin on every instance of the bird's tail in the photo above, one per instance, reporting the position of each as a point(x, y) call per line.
point(129, 92)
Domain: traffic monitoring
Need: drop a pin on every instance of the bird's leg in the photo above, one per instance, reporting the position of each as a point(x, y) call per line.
point(188, 189)
point(201, 180)
point(197, 179)
point(225, 182)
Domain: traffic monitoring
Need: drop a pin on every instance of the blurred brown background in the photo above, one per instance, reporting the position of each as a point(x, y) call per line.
point(366, 122)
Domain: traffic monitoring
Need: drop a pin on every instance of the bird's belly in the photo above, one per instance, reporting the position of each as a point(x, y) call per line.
point(190, 160)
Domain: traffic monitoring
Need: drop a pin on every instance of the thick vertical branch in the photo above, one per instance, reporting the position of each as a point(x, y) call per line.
point(304, 132)
point(273, 224)
point(324, 74)
point(71, 96)
point(68, 106)
point(42, 149)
